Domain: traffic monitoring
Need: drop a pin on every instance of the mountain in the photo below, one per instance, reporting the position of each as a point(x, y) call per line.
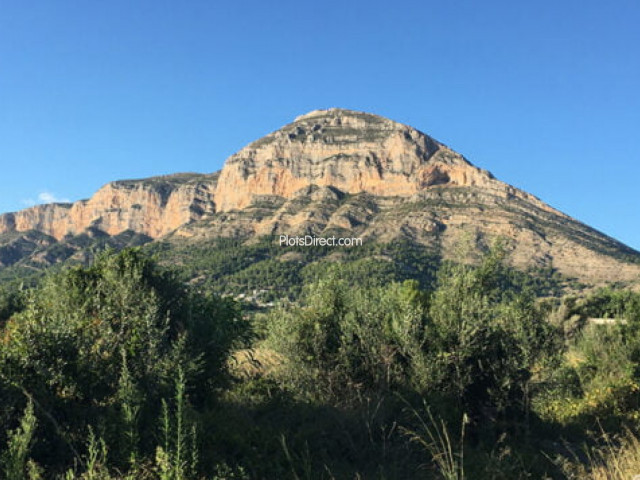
point(329, 172)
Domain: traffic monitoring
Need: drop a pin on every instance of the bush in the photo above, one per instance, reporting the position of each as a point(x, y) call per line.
point(485, 341)
point(472, 342)
point(346, 342)
point(100, 347)
point(10, 301)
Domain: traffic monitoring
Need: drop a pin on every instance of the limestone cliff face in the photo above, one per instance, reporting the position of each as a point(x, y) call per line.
point(351, 151)
point(152, 207)
point(51, 219)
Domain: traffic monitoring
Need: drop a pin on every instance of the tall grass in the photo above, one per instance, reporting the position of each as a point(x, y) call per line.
point(615, 458)
point(617, 461)
point(177, 459)
point(15, 458)
point(434, 437)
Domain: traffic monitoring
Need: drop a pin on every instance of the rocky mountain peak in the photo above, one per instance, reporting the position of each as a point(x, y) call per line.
point(328, 171)
point(352, 151)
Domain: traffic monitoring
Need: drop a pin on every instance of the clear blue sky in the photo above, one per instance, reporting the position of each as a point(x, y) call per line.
point(545, 94)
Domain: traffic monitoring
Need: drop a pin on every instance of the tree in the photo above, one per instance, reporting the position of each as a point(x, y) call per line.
point(485, 338)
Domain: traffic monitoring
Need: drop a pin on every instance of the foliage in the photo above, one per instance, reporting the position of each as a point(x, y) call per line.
point(389, 365)
point(177, 457)
point(15, 459)
point(229, 266)
point(486, 341)
point(611, 303)
point(469, 341)
point(100, 346)
point(599, 379)
point(338, 345)
point(10, 301)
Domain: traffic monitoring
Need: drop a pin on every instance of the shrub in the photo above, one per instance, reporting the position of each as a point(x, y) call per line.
point(344, 342)
point(485, 340)
point(100, 347)
point(471, 340)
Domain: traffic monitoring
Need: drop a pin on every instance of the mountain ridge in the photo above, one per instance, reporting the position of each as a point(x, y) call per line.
point(337, 170)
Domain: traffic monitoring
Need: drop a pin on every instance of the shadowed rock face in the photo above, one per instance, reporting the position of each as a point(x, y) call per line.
point(338, 171)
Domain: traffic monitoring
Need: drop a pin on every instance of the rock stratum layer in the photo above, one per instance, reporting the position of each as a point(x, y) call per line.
point(153, 207)
point(351, 151)
point(332, 171)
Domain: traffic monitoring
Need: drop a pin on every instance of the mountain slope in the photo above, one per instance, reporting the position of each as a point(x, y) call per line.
point(334, 172)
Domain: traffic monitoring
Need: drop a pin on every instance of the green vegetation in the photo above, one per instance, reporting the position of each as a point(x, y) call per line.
point(71, 250)
point(98, 349)
point(230, 266)
point(384, 365)
point(170, 181)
